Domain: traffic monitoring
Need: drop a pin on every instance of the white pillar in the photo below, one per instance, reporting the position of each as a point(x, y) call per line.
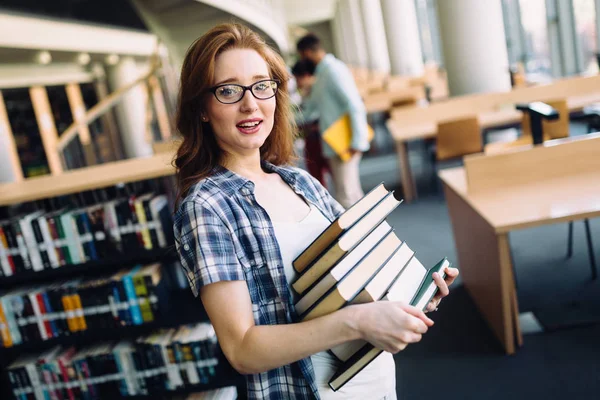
point(353, 28)
point(131, 111)
point(402, 32)
point(338, 38)
point(345, 28)
point(474, 46)
point(377, 50)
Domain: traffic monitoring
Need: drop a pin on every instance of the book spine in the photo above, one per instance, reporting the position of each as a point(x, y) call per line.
point(45, 314)
point(22, 246)
point(13, 252)
point(141, 292)
point(4, 329)
point(11, 320)
point(41, 244)
point(71, 234)
point(62, 241)
point(87, 226)
point(68, 306)
point(135, 221)
point(56, 240)
point(85, 237)
point(136, 314)
point(141, 216)
point(30, 244)
point(34, 379)
point(48, 242)
point(6, 258)
point(152, 224)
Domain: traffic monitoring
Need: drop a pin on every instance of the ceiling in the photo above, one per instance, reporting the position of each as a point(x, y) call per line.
point(117, 13)
point(306, 12)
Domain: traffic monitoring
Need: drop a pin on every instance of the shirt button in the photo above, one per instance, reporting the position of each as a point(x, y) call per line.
point(186, 247)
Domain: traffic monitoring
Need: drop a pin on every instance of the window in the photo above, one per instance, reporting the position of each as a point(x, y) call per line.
point(428, 30)
point(585, 31)
point(536, 44)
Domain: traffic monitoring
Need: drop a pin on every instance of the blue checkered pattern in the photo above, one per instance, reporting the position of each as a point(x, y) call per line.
point(222, 234)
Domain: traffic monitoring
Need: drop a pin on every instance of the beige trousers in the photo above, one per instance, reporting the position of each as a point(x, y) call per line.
point(346, 180)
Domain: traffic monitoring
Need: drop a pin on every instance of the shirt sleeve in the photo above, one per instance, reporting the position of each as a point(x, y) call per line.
point(205, 246)
point(343, 87)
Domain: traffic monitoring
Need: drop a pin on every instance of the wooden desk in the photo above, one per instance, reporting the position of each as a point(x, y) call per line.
point(547, 184)
point(384, 101)
point(402, 133)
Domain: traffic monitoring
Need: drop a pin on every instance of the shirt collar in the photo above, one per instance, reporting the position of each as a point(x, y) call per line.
point(230, 182)
point(324, 62)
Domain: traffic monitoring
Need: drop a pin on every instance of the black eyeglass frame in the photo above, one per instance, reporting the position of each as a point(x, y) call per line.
point(214, 89)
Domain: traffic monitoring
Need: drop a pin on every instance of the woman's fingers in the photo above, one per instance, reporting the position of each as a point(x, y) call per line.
point(441, 284)
point(415, 312)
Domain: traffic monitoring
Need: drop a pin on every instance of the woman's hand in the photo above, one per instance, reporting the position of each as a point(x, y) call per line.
point(390, 326)
point(451, 274)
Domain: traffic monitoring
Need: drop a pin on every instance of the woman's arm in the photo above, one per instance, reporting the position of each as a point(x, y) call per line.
point(253, 349)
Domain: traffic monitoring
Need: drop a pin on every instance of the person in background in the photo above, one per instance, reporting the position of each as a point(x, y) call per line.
point(334, 94)
point(316, 164)
point(243, 215)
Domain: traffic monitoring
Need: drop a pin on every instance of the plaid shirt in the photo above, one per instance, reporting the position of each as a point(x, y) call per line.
point(222, 234)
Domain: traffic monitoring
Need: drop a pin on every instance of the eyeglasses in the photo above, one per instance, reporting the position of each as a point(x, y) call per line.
point(230, 93)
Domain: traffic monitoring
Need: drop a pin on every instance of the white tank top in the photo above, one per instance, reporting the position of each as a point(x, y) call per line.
point(378, 379)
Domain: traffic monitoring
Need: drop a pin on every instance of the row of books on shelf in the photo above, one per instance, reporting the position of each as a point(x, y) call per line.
point(42, 240)
point(47, 311)
point(163, 361)
point(358, 259)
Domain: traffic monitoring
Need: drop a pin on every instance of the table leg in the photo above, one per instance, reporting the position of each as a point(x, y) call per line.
point(486, 270)
point(410, 191)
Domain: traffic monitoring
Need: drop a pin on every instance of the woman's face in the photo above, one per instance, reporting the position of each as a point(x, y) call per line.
point(241, 128)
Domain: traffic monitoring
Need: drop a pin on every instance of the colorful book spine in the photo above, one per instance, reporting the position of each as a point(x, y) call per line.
point(134, 307)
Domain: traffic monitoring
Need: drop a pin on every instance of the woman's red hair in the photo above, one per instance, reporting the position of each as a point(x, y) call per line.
point(199, 152)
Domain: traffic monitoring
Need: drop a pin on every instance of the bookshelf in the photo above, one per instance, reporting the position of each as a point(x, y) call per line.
point(176, 306)
point(88, 178)
point(110, 264)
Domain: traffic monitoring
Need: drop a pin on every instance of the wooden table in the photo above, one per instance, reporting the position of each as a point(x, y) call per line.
point(494, 195)
point(402, 133)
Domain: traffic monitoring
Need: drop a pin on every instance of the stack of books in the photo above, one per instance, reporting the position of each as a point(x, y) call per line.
point(43, 312)
point(359, 259)
point(43, 240)
point(164, 361)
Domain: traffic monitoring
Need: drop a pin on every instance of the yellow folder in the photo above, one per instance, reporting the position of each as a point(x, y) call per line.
point(339, 137)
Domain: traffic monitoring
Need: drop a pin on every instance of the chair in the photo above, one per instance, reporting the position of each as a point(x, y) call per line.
point(458, 138)
point(455, 139)
point(552, 129)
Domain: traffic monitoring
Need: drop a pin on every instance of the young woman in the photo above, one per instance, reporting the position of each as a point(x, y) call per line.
point(244, 214)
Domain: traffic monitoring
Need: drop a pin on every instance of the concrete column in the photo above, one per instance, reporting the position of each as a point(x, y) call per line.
point(131, 111)
point(377, 50)
point(338, 39)
point(351, 20)
point(345, 29)
point(474, 46)
point(402, 32)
